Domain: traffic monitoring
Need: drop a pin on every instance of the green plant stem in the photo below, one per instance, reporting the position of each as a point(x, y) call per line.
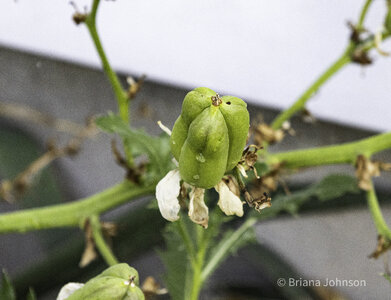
point(342, 61)
point(363, 14)
point(299, 104)
point(377, 216)
point(226, 247)
point(71, 214)
point(202, 244)
point(187, 241)
point(120, 94)
point(100, 242)
point(335, 154)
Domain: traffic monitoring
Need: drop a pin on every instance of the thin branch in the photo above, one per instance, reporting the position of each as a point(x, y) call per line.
point(363, 14)
point(377, 216)
point(343, 60)
point(11, 189)
point(120, 93)
point(226, 247)
point(28, 114)
point(100, 242)
point(299, 104)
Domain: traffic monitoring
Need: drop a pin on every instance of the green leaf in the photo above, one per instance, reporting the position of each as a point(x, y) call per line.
point(335, 186)
point(157, 148)
point(31, 295)
point(7, 291)
point(387, 276)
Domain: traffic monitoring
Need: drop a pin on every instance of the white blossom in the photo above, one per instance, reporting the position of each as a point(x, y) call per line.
point(167, 192)
point(198, 211)
point(229, 203)
point(68, 289)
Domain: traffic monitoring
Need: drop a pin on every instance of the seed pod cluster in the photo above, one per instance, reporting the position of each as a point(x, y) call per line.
point(209, 136)
point(117, 282)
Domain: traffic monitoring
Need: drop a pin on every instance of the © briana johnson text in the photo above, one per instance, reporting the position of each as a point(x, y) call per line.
point(327, 282)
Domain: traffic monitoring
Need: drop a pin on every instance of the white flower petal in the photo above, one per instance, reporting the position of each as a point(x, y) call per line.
point(167, 192)
point(198, 211)
point(164, 128)
point(68, 290)
point(229, 203)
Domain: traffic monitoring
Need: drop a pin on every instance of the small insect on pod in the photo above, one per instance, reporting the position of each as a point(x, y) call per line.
point(209, 136)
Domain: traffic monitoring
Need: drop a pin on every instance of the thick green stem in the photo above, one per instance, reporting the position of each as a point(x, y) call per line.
point(197, 283)
point(335, 154)
point(71, 214)
point(377, 216)
point(100, 242)
point(120, 94)
point(226, 247)
point(202, 244)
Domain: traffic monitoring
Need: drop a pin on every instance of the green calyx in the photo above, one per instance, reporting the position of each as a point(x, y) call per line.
point(209, 136)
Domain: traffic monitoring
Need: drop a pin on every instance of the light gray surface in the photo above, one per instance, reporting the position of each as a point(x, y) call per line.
point(323, 245)
point(265, 51)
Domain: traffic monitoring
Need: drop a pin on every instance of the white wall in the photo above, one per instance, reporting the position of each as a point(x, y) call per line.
point(262, 51)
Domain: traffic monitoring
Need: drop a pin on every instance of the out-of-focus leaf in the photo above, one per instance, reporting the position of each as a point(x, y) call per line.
point(330, 187)
point(17, 152)
point(31, 295)
point(387, 276)
point(157, 148)
point(7, 291)
point(335, 186)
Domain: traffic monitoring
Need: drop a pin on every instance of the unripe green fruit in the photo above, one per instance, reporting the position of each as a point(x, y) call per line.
point(117, 282)
point(209, 136)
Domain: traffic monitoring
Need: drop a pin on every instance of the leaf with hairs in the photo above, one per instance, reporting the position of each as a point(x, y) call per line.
point(7, 291)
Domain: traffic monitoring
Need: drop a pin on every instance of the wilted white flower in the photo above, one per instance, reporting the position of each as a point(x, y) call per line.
point(68, 289)
point(167, 192)
point(229, 203)
point(198, 211)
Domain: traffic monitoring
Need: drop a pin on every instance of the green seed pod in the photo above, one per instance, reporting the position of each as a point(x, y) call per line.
point(209, 136)
point(117, 282)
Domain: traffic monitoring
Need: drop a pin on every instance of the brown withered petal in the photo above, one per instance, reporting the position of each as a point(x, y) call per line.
point(89, 253)
point(264, 133)
point(365, 170)
point(151, 287)
point(382, 247)
point(198, 211)
point(232, 184)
